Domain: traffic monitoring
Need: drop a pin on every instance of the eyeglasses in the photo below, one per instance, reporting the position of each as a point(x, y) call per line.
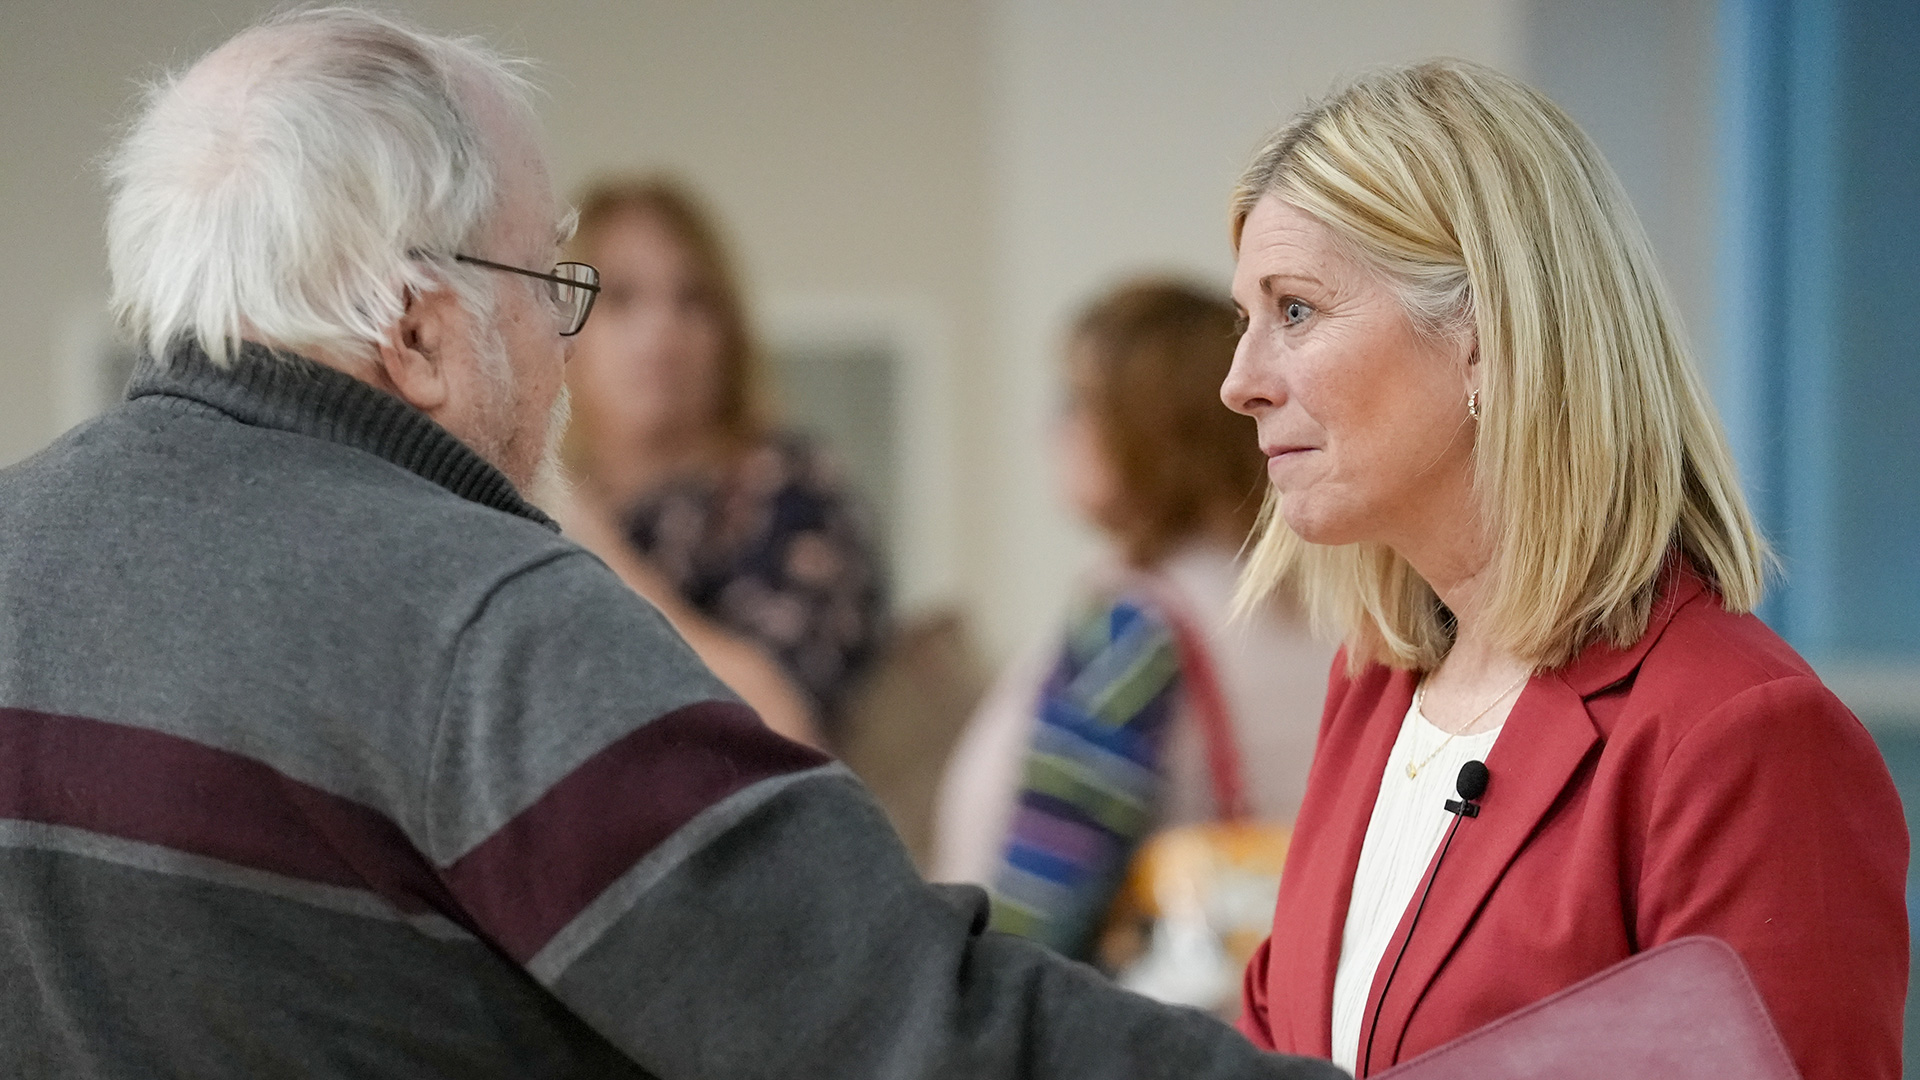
point(571, 287)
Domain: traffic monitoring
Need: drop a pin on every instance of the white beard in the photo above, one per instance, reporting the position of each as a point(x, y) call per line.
point(495, 437)
point(532, 468)
point(549, 475)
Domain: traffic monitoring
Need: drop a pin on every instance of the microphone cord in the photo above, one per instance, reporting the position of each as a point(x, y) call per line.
point(1366, 1060)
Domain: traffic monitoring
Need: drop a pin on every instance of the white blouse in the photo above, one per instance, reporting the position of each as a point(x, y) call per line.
point(1409, 820)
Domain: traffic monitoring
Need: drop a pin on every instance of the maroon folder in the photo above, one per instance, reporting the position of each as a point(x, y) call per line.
point(1686, 1010)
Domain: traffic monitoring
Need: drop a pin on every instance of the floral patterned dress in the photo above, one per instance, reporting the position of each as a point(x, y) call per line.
point(777, 550)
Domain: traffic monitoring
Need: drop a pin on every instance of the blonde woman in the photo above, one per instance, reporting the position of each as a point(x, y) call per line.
point(1499, 478)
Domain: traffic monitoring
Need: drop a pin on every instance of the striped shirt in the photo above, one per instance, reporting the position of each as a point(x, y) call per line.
point(1091, 780)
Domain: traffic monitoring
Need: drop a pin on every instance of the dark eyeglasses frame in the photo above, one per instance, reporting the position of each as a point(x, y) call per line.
point(592, 287)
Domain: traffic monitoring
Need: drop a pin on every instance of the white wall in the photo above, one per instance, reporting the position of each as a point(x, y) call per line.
point(967, 172)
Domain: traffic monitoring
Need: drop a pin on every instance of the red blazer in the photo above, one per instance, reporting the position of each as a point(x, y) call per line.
point(1701, 782)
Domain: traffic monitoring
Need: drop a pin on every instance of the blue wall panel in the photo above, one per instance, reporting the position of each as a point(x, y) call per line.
point(1821, 311)
point(1876, 383)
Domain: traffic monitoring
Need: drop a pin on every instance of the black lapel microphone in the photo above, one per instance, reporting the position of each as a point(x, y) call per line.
point(1470, 784)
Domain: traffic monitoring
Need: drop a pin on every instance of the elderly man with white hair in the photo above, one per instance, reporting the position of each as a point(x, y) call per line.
point(321, 754)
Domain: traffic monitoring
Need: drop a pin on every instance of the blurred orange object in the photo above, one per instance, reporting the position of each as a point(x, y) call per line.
point(1197, 901)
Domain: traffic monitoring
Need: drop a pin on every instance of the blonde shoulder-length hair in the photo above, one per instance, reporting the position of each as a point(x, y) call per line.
point(1598, 457)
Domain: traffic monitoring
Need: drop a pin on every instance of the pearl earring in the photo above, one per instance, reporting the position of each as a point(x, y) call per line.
point(1473, 405)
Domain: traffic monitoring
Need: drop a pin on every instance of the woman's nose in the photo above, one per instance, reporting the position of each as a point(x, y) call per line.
point(1244, 391)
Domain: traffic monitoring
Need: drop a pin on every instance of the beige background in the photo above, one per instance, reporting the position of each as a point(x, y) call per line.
point(955, 176)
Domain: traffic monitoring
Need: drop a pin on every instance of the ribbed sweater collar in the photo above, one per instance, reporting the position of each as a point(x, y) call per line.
point(292, 393)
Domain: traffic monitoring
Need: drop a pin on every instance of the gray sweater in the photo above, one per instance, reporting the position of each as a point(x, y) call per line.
point(322, 754)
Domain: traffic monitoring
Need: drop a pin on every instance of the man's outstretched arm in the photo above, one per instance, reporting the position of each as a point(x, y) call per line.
point(719, 902)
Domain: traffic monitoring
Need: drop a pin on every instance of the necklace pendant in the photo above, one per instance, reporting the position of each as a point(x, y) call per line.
point(1413, 771)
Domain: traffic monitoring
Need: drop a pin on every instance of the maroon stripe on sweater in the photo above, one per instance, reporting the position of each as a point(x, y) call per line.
point(517, 888)
point(532, 877)
point(137, 784)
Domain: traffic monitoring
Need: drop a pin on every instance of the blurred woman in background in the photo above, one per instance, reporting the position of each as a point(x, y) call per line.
point(1151, 708)
point(744, 534)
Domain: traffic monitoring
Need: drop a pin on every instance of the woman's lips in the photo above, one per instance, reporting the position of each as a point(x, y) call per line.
point(1280, 460)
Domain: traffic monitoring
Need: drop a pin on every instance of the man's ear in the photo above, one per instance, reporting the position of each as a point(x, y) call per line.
point(411, 361)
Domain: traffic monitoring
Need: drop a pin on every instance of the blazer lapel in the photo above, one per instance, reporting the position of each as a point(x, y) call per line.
point(1327, 840)
point(1547, 737)
point(1550, 727)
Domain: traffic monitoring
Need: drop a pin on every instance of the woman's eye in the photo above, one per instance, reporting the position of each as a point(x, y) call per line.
point(1239, 323)
point(1293, 312)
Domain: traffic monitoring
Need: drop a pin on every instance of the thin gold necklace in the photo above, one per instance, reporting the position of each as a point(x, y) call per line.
point(1420, 694)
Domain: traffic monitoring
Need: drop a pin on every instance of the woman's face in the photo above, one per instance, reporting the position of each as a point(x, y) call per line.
point(647, 363)
point(1363, 419)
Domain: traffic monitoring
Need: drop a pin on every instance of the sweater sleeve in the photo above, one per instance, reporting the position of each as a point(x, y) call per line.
point(1776, 828)
point(718, 902)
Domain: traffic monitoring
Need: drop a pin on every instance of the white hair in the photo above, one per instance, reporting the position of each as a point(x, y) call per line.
point(289, 192)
